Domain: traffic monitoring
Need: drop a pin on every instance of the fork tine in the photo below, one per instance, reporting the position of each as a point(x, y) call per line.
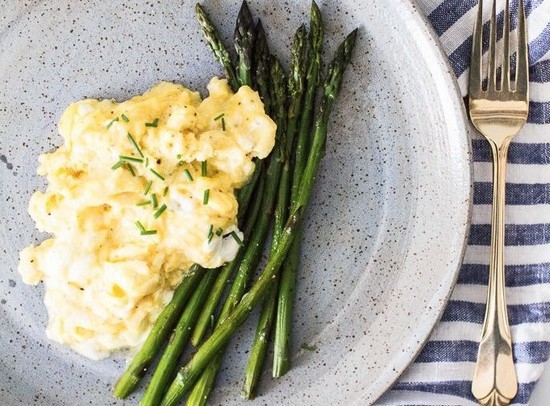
point(476, 73)
point(522, 62)
point(505, 73)
point(492, 74)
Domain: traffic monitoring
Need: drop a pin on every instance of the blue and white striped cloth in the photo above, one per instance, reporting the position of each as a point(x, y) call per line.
point(441, 375)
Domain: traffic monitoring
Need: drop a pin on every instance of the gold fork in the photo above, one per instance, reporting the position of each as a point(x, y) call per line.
point(498, 111)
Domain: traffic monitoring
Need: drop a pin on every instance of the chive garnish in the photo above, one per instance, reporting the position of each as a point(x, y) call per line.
point(142, 229)
point(219, 231)
point(160, 211)
point(206, 196)
point(111, 122)
point(130, 168)
point(135, 145)
point(148, 187)
point(117, 165)
point(125, 118)
point(165, 191)
point(158, 175)
point(146, 162)
point(127, 158)
point(210, 232)
point(188, 174)
point(236, 237)
point(143, 203)
point(222, 119)
point(154, 200)
point(154, 123)
point(204, 168)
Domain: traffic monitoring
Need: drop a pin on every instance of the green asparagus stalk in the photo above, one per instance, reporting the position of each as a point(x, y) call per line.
point(281, 357)
point(273, 173)
point(296, 80)
point(244, 44)
point(248, 192)
point(260, 81)
point(190, 372)
point(166, 368)
point(206, 317)
point(160, 331)
point(258, 237)
point(260, 346)
point(260, 68)
point(220, 51)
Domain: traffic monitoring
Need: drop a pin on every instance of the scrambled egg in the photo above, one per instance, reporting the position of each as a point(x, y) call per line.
point(138, 193)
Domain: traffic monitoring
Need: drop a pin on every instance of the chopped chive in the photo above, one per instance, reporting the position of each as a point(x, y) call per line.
point(135, 145)
point(158, 175)
point(127, 158)
point(111, 122)
point(148, 187)
point(140, 226)
point(143, 203)
point(219, 116)
point(146, 162)
point(206, 196)
point(188, 174)
point(219, 231)
point(160, 211)
point(142, 229)
point(236, 237)
point(179, 156)
point(117, 165)
point(204, 168)
point(165, 191)
point(130, 168)
point(154, 123)
point(223, 124)
point(125, 118)
point(210, 232)
point(154, 200)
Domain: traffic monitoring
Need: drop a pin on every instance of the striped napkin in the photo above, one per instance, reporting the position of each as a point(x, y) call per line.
point(441, 374)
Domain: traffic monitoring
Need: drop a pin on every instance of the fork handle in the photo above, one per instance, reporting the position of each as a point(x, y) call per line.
point(495, 381)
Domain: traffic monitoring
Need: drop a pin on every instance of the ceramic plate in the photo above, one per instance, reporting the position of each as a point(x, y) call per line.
point(385, 232)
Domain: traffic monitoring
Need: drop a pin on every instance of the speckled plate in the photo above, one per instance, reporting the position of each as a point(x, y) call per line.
point(387, 227)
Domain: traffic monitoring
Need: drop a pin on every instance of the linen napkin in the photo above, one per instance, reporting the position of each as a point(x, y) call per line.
point(442, 372)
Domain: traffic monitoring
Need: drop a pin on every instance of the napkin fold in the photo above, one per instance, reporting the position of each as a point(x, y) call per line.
point(442, 372)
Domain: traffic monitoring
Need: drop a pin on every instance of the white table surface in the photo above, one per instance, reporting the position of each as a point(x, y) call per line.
point(541, 395)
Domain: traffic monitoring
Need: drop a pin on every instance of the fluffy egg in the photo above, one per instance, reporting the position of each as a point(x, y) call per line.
point(139, 192)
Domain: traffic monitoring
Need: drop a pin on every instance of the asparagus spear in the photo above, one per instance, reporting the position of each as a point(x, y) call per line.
point(207, 313)
point(219, 338)
point(260, 81)
point(161, 329)
point(164, 372)
point(258, 237)
point(244, 42)
point(299, 127)
point(267, 316)
point(260, 74)
point(217, 47)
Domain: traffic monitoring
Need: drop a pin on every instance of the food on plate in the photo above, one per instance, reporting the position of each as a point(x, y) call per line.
point(139, 192)
point(207, 318)
point(161, 207)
